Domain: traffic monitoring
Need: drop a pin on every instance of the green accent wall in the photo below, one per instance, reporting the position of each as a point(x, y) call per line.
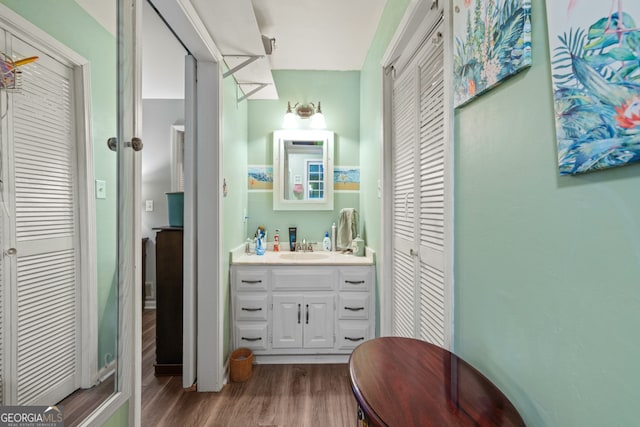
point(339, 94)
point(234, 167)
point(547, 268)
point(71, 25)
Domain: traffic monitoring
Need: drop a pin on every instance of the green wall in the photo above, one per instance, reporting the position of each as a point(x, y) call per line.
point(339, 93)
point(234, 164)
point(68, 23)
point(547, 268)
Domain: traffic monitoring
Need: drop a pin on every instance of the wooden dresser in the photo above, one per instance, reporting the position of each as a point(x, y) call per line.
point(169, 294)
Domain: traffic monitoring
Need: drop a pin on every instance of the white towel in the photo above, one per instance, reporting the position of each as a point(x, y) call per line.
point(347, 228)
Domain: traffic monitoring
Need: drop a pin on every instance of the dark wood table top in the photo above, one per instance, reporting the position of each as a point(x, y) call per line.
point(406, 382)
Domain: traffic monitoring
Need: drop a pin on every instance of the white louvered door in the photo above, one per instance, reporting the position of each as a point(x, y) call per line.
point(404, 153)
point(44, 288)
point(420, 191)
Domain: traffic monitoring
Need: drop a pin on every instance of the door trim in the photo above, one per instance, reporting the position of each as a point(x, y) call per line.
point(87, 252)
point(183, 19)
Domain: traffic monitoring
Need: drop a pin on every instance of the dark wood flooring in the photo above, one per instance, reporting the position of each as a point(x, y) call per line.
point(276, 395)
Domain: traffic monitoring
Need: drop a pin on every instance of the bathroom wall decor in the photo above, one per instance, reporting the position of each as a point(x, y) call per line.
point(595, 66)
point(346, 178)
point(492, 41)
point(260, 177)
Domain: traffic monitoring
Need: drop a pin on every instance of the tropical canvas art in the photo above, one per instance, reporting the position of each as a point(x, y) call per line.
point(492, 41)
point(595, 64)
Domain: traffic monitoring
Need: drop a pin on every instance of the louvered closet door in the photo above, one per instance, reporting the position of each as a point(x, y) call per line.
point(431, 221)
point(419, 208)
point(45, 318)
point(404, 153)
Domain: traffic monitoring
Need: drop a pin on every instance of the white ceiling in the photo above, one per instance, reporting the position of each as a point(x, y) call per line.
point(310, 35)
point(318, 34)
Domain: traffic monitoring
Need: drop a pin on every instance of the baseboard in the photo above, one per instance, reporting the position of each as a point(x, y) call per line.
point(106, 371)
point(150, 304)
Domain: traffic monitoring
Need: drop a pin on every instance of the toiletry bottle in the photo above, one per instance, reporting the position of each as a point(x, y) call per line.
point(334, 237)
point(276, 241)
point(326, 242)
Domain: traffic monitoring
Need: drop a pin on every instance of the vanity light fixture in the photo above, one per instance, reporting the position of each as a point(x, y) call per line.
point(304, 111)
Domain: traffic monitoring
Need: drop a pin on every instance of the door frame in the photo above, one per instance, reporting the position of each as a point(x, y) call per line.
point(206, 206)
point(403, 46)
point(87, 252)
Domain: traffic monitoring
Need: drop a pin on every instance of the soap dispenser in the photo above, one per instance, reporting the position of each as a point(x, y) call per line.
point(326, 242)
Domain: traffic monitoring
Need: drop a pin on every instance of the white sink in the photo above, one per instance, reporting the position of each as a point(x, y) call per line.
point(303, 255)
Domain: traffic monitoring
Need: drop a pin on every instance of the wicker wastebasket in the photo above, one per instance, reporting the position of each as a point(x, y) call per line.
point(241, 365)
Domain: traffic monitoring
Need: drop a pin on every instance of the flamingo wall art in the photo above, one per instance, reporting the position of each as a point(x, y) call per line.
point(492, 41)
point(595, 66)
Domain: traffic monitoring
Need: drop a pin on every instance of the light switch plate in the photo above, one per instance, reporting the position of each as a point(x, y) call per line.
point(101, 189)
point(148, 205)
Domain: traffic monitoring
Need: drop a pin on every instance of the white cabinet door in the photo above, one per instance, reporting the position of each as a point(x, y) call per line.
point(303, 321)
point(287, 321)
point(318, 322)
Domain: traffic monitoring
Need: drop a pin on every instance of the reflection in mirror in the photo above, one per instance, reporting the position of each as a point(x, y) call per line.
point(58, 291)
point(303, 170)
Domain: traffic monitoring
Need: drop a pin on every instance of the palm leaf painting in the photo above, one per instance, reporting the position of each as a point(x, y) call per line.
point(492, 41)
point(595, 67)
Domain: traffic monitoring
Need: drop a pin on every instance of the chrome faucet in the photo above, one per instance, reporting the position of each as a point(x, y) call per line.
point(304, 246)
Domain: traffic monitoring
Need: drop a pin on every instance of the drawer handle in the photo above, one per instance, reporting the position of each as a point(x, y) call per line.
point(354, 282)
point(354, 339)
point(354, 308)
point(307, 314)
point(251, 282)
point(251, 309)
point(251, 339)
point(298, 314)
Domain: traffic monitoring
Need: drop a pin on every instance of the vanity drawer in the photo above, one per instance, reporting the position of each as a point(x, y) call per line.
point(351, 334)
point(251, 307)
point(251, 279)
point(354, 306)
point(356, 279)
point(251, 335)
point(294, 278)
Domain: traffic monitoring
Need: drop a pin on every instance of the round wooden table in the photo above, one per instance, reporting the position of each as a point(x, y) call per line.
point(406, 382)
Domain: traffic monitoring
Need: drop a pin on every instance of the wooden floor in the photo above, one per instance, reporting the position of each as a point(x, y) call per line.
point(81, 403)
point(276, 395)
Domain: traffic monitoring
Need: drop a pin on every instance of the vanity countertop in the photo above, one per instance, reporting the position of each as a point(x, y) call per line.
point(238, 257)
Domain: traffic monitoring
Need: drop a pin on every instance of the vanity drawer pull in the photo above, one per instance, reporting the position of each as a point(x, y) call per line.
point(251, 282)
point(354, 282)
point(354, 308)
point(354, 339)
point(251, 309)
point(253, 339)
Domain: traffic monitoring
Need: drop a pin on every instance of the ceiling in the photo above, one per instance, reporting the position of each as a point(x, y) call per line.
point(318, 34)
point(309, 35)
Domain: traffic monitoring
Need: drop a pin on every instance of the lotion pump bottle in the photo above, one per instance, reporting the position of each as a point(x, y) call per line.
point(334, 238)
point(326, 242)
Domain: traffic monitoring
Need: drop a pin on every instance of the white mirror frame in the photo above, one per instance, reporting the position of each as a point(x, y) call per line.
point(279, 138)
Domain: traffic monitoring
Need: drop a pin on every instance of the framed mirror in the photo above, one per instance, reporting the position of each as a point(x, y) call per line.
point(302, 170)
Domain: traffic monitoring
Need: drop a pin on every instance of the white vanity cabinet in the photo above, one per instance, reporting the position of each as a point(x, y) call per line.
point(288, 313)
